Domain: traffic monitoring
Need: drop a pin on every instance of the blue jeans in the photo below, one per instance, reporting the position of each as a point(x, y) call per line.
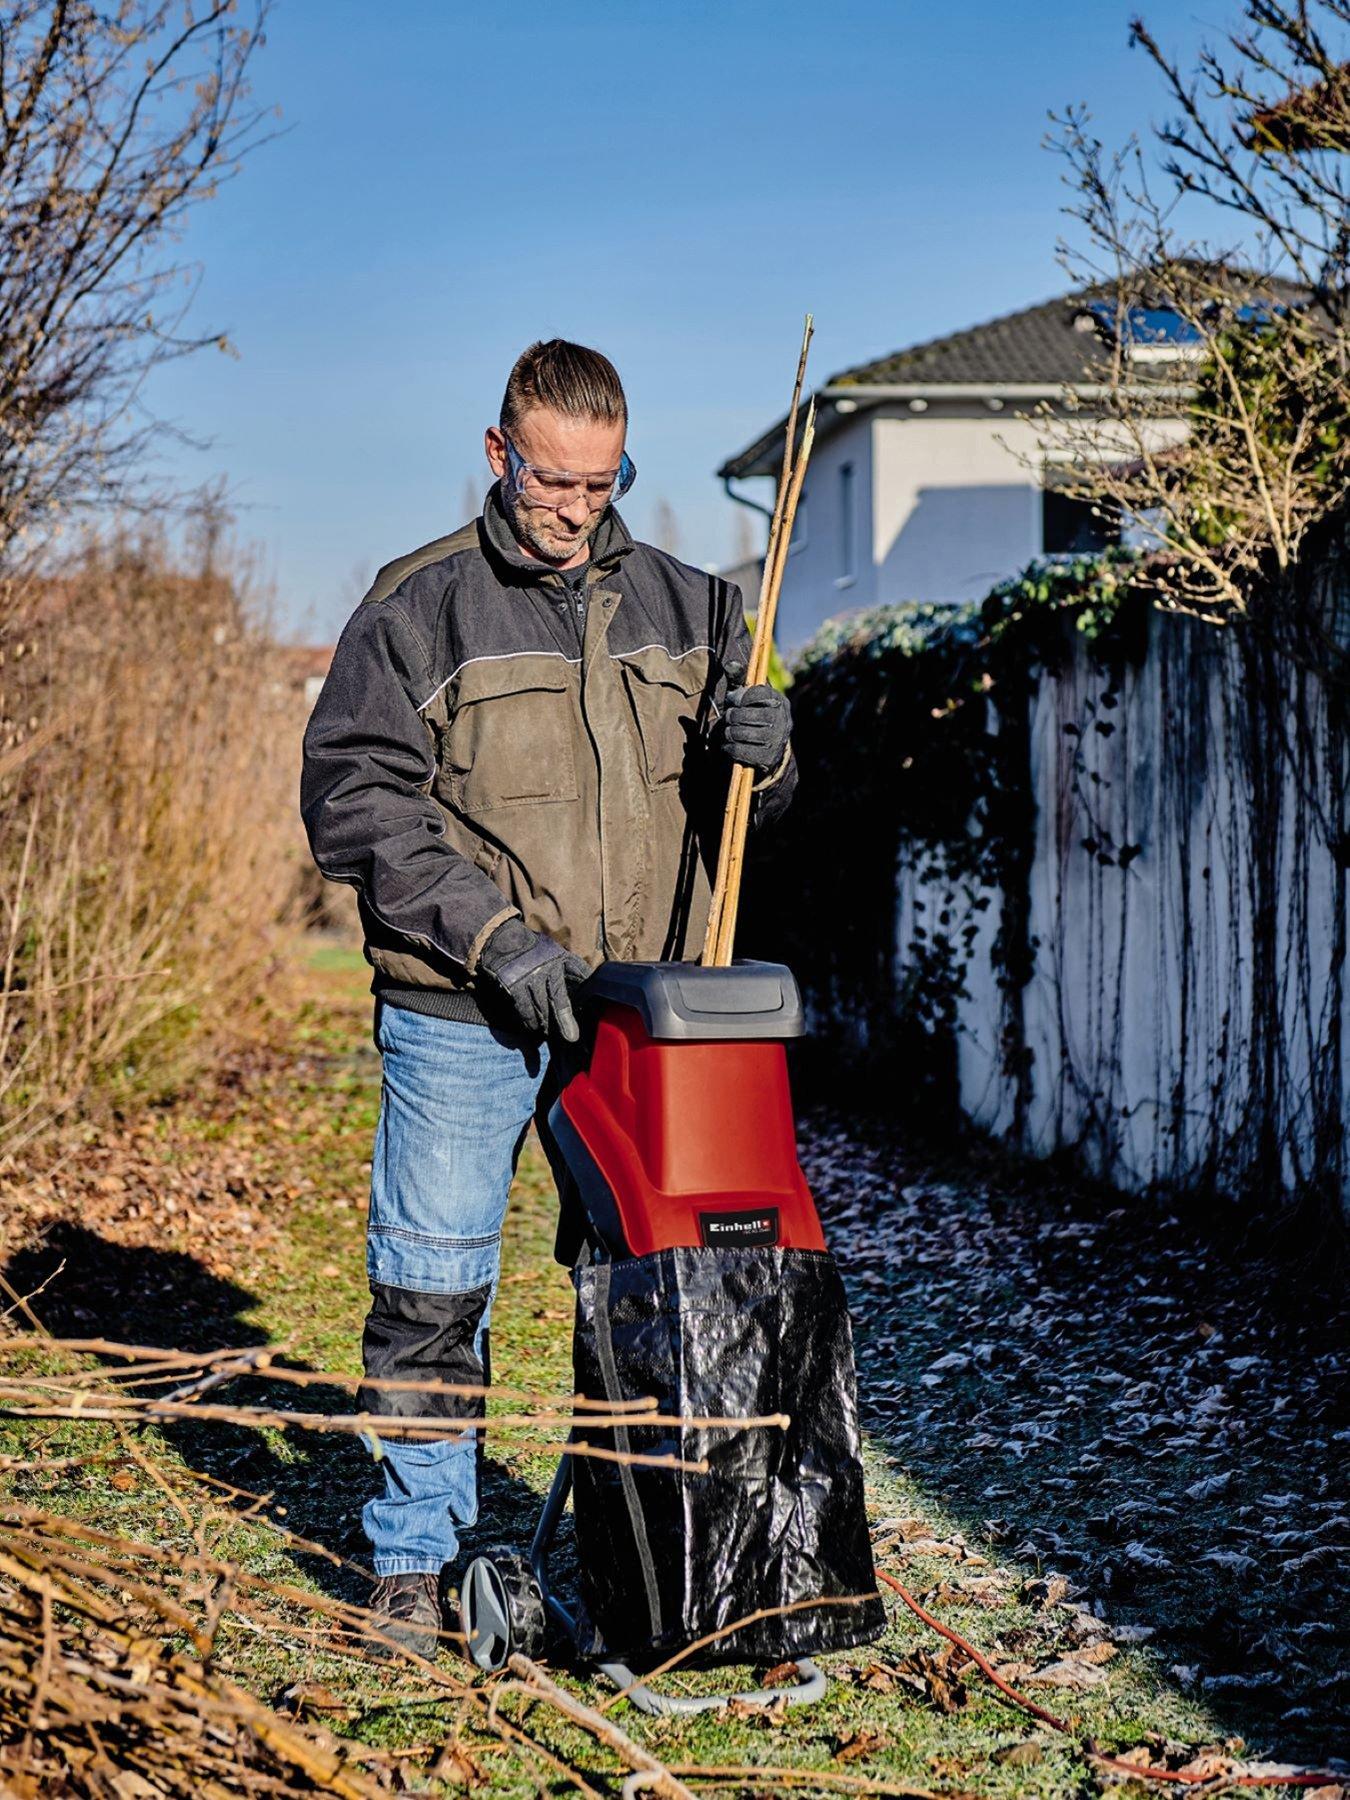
point(455, 1106)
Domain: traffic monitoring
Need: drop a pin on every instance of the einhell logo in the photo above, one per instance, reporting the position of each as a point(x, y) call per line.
point(721, 1229)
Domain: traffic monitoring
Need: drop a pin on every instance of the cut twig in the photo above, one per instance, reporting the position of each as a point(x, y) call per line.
point(34, 1400)
point(750, 1773)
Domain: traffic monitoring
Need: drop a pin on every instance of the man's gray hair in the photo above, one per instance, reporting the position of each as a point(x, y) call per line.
point(565, 378)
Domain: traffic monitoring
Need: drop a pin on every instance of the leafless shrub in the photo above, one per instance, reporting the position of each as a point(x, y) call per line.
point(114, 122)
point(148, 750)
point(1246, 342)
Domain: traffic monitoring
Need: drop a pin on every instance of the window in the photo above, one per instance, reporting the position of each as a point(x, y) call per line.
point(848, 567)
point(1146, 333)
point(1071, 526)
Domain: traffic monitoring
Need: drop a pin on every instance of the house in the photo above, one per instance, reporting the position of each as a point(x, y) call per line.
point(930, 479)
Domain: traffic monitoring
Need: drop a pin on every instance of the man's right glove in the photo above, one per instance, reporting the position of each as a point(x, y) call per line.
point(536, 975)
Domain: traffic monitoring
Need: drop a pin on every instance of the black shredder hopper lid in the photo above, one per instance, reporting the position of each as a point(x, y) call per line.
point(685, 1000)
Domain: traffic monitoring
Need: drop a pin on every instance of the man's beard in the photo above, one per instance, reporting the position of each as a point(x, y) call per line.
point(544, 532)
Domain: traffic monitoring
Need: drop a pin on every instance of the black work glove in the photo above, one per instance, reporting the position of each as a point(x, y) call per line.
point(756, 725)
point(536, 975)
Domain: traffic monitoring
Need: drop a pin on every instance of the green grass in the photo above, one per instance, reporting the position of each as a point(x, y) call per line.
point(304, 1128)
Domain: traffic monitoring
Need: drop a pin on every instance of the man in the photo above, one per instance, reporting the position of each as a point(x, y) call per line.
point(519, 760)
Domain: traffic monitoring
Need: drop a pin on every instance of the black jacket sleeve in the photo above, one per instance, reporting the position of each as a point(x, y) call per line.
point(364, 794)
point(772, 792)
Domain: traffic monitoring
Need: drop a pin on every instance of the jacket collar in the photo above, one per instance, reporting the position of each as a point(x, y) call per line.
point(611, 542)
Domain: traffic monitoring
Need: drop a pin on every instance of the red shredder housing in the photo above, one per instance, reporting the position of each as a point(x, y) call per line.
point(679, 1132)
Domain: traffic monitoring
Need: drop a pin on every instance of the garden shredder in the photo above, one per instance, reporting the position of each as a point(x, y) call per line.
point(705, 1288)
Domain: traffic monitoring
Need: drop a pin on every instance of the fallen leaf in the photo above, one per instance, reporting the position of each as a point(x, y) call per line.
point(936, 1676)
point(1069, 1672)
point(773, 1716)
point(1322, 1555)
point(852, 1746)
point(1211, 1487)
point(455, 1764)
point(1142, 1556)
point(907, 1529)
point(313, 1699)
point(1013, 1671)
point(1101, 1650)
point(979, 1590)
point(1232, 1560)
point(879, 1677)
point(1207, 1764)
point(1139, 1756)
point(1043, 1591)
point(1086, 1628)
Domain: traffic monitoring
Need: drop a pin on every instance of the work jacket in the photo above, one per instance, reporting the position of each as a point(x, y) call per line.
point(487, 746)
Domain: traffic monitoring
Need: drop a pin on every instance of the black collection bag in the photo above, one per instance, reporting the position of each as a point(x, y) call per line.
point(668, 1556)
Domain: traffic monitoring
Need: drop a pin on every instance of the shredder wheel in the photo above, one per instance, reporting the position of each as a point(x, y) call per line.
point(501, 1609)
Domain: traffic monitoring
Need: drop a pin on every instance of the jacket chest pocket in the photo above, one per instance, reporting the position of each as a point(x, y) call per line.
point(665, 693)
point(511, 739)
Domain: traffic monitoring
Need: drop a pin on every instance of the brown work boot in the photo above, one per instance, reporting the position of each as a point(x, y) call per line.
point(406, 1612)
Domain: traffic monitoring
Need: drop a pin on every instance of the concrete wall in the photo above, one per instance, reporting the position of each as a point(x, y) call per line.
point(1186, 1012)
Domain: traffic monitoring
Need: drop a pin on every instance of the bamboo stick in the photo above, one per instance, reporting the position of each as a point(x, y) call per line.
point(736, 825)
point(776, 551)
point(762, 648)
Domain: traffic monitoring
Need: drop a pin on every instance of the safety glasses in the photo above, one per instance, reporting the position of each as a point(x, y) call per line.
point(556, 488)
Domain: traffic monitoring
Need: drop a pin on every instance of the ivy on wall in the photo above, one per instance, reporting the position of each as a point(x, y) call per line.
point(917, 815)
point(911, 729)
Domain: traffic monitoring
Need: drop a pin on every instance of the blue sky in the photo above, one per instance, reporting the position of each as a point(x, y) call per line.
point(674, 181)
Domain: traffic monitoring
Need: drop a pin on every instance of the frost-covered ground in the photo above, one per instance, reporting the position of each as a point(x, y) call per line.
point(1098, 1390)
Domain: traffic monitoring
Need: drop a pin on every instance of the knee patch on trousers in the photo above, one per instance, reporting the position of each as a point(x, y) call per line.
point(413, 1336)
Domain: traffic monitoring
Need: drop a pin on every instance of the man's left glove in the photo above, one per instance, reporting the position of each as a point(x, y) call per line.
point(536, 975)
point(756, 725)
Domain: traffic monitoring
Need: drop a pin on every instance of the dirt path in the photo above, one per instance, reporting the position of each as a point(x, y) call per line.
point(234, 1216)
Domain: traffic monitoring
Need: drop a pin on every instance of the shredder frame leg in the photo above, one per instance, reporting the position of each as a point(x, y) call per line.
point(805, 1692)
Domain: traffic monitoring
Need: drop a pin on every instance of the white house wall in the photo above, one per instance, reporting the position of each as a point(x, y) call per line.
point(954, 510)
point(816, 584)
